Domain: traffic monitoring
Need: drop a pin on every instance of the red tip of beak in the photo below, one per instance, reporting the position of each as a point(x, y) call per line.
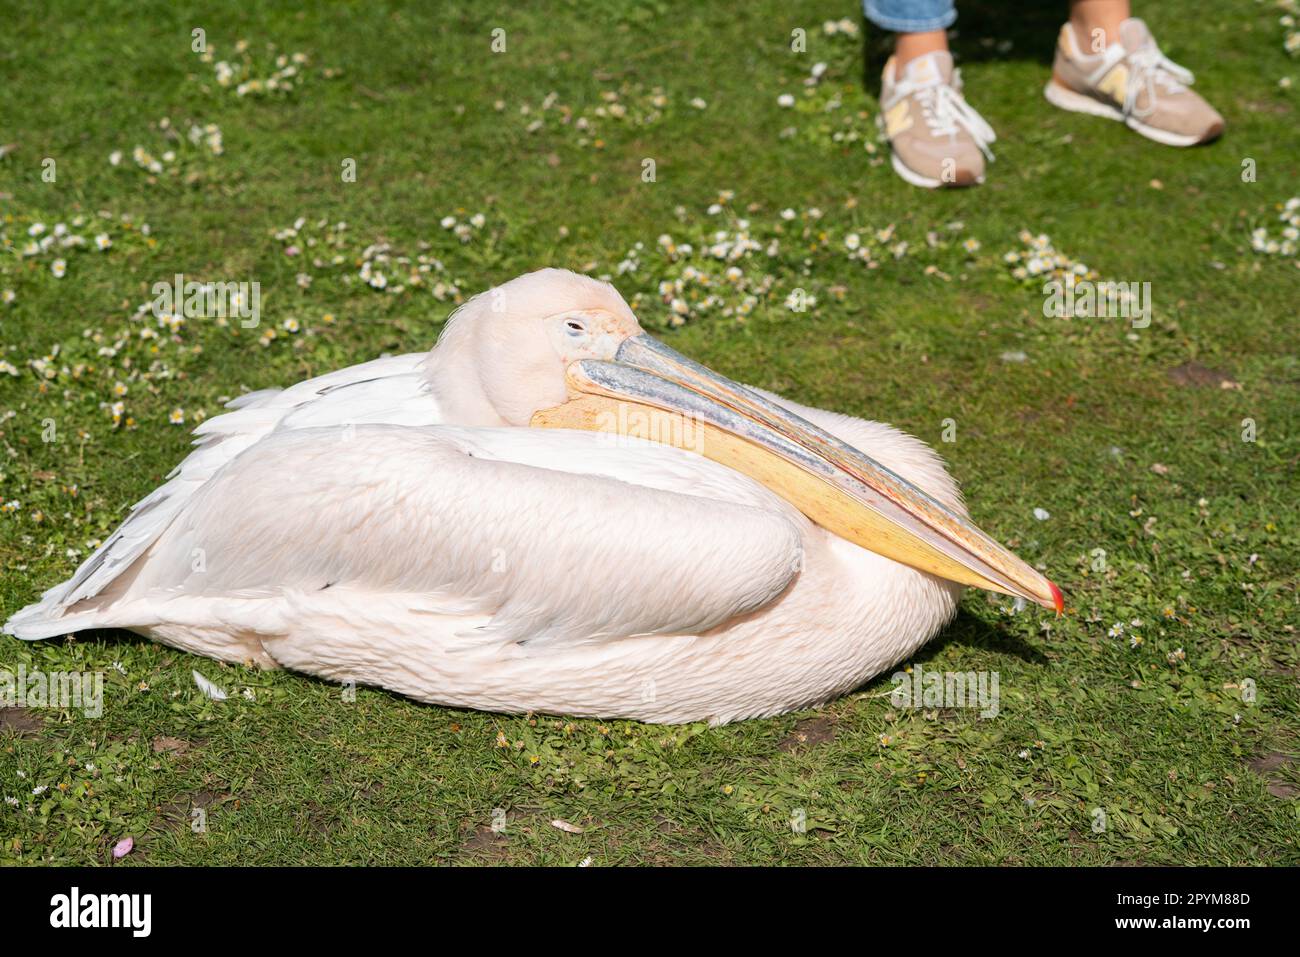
point(1056, 597)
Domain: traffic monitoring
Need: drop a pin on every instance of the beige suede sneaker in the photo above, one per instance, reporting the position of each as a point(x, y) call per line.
point(1133, 82)
point(936, 137)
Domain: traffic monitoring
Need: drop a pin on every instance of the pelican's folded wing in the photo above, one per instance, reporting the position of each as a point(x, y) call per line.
point(524, 551)
point(382, 390)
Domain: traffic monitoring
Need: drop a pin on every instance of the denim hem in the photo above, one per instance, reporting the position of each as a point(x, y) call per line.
point(900, 25)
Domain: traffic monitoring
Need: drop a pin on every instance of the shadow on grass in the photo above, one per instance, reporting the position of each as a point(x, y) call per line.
point(982, 26)
point(969, 631)
point(110, 637)
point(966, 629)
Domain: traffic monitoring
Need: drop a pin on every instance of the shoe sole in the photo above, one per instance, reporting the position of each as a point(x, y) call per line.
point(925, 182)
point(1067, 99)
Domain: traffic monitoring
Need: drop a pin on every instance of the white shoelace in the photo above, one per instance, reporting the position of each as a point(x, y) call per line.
point(1150, 68)
point(946, 110)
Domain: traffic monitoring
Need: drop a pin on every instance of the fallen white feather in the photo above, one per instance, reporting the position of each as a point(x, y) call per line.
point(208, 688)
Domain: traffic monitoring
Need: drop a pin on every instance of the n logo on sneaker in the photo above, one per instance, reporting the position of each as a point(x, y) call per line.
point(1115, 83)
point(922, 70)
point(898, 119)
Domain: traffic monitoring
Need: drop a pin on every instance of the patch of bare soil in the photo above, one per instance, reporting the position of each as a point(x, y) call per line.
point(180, 812)
point(808, 733)
point(1193, 374)
point(1268, 765)
point(485, 844)
point(163, 744)
point(21, 721)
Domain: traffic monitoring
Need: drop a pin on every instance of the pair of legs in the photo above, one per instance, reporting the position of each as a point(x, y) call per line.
point(1107, 64)
point(1086, 16)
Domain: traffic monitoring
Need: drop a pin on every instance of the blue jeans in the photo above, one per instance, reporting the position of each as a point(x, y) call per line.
point(910, 16)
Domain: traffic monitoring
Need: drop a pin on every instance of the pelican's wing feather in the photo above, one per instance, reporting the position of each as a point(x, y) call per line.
point(383, 390)
point(481, 523)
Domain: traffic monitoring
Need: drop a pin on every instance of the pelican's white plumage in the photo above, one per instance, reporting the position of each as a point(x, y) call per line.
point(397, 523)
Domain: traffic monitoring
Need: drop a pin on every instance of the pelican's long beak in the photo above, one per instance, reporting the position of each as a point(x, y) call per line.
point(651, 391)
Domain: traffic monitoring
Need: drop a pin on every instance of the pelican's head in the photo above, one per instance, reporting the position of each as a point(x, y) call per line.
point(503, 355)
point(553, 349)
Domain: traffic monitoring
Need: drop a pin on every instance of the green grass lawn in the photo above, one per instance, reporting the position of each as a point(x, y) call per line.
point(1164, 519)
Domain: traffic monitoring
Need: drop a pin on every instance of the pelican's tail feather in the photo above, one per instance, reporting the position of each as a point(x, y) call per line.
point(45, 619)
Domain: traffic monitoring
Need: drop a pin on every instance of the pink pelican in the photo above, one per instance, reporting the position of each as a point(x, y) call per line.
point(550, 511)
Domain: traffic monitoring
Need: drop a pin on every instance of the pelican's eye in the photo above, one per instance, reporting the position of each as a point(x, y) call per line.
point(581, 334)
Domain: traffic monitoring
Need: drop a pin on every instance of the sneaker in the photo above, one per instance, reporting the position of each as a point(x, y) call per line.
point(1133, 82)
point(936, 137)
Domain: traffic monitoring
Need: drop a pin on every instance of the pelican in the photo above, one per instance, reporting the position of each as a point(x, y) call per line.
point(551, 511)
